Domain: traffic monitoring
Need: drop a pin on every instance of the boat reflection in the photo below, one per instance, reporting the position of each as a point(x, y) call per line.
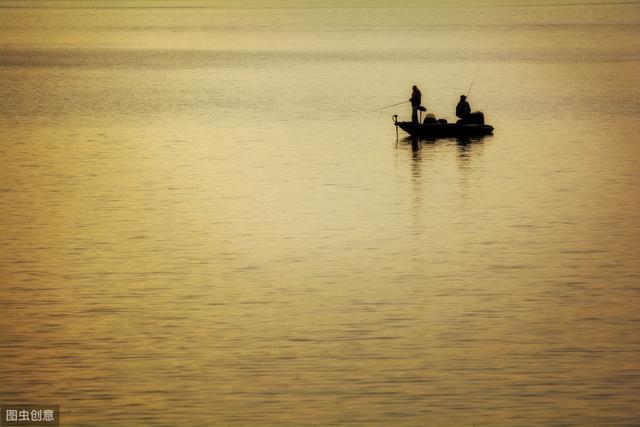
point(428, 164)
point(464, 143)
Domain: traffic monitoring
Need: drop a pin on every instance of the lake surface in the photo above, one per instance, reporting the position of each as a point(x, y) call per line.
point(204, 223)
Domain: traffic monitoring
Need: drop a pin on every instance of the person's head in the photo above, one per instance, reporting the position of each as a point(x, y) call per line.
point(463, 97)
point(415, 87)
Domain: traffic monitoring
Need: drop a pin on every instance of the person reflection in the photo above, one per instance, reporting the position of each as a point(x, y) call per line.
point(415, 146)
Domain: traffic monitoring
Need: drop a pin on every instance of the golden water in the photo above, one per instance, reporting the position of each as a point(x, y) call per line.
point(202, 224)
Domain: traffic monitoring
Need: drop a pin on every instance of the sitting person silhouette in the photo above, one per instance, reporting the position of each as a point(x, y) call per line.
point(463, 109)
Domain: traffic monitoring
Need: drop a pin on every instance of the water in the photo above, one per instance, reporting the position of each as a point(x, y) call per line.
point(203, 224)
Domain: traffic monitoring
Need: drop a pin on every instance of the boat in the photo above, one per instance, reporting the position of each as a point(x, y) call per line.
point(432, 129)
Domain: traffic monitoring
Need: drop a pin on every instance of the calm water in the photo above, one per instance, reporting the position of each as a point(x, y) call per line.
point(203, 224)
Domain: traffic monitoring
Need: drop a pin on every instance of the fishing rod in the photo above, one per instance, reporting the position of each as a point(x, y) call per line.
point(474, 80)
point(387, 106)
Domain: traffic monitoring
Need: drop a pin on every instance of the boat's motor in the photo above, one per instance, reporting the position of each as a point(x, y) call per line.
point(476, 118)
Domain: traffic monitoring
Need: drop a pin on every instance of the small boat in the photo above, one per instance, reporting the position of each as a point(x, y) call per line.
point(432, 129)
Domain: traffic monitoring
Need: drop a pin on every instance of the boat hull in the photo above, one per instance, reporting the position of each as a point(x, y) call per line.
point(442, 130)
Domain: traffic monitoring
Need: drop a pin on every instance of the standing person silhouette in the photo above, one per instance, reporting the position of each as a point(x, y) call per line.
point(416, 100)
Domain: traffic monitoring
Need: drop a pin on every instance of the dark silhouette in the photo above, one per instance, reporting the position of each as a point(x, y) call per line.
point(416, 100)
point(471, 124)
point(463, 109)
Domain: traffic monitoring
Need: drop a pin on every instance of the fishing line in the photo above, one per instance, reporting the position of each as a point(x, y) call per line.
point(387, 106)
point(474, 80)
